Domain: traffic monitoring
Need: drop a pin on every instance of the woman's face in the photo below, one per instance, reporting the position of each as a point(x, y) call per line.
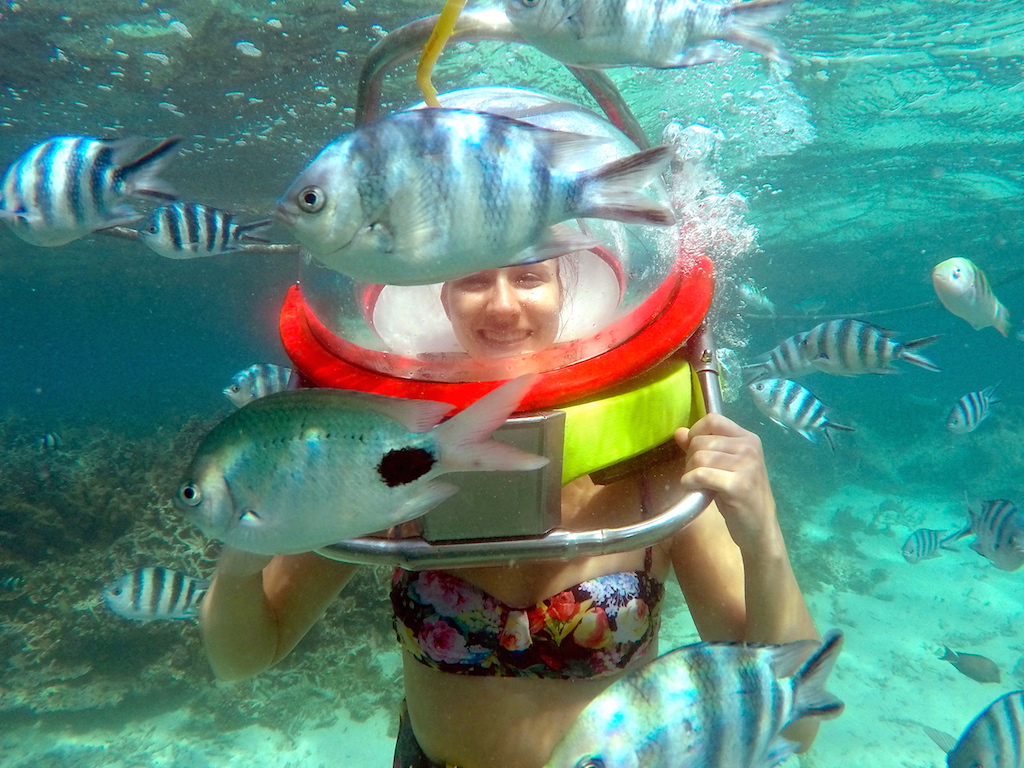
point(505, 312)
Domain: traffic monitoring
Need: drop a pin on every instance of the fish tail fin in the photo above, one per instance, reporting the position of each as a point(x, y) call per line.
point(908, 353)
point(829, 425)
point(748, 17)
point(246, 230)
point(141, 172)
point(463, 440)
point(611, 190)
point(810, 697)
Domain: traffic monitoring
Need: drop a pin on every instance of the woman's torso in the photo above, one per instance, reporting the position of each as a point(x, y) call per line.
point(513, 722)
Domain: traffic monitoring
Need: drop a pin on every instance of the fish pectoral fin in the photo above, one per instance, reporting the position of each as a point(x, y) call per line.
point(432, 494)
point(944, 741)
point(706, 53)
point(779, 750)
point(557, 242)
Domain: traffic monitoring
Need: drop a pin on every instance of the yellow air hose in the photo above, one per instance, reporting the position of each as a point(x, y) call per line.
point(432, 50)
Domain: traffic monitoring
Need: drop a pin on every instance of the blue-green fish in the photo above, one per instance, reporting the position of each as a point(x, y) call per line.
point(708, 705)
point(646, 33)
point(69, 186)
point(301, 469)
point(428, 195)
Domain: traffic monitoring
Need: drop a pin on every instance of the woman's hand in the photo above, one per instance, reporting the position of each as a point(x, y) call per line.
point(727, 460)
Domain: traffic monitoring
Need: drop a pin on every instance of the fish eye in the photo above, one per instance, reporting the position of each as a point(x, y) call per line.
point(590, 762)
point(190, 494)
point(312, 199)
point(153, 229)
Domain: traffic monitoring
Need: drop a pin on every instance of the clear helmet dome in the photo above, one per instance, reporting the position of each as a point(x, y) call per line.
point(605, 295)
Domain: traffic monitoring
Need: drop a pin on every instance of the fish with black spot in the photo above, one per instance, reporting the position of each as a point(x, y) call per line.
point(154, 594)
point(302, 469)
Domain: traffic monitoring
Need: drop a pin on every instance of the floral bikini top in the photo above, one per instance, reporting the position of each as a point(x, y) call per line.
point(595, 628)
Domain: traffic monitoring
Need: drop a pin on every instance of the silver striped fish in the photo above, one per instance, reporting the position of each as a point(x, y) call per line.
point(258, 380)
point(970, 410)
point(155, 593)
point(993, 739)
point(708, 705)
point(428, 195)
point(849, 347)
point(924, 544)
point(998, 529)
point(795, 407)
point(70, 186)
point(786, 361)
point(191, 230)
point(653, 33)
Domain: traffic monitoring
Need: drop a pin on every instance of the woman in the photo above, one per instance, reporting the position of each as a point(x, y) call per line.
point(499, 661)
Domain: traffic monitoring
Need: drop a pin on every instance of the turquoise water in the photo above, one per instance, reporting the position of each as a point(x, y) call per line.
point(893, 143)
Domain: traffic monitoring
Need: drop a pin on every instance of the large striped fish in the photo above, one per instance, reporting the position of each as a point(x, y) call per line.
point(428, 195)
point(998, 529)
point(849, 347)
point(191, 230)
point(963, 289)
point(786, 361)
point(653, 33)
point(69, 186)
point(795, 407)
point(970, 410)
point(991, 740)
point(708, 705)
point(155, 593)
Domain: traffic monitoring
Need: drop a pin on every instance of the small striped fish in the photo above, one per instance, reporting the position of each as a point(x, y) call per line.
point(991, 740)
point(156, 593)
point(924, 544)
point(69, 186)
point(258, 380)
point(963, 289)
point(191, 230)
point(849, 347)
point(786, 361)
point(708, 705)
point(793, 406)
point(50, 442)
point(998, 529)
point(970, 410)
point(654, 33)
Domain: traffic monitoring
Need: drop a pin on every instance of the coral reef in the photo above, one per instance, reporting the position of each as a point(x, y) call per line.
point(76, 518)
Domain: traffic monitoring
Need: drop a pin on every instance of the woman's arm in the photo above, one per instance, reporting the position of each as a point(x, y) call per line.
point(258, 608)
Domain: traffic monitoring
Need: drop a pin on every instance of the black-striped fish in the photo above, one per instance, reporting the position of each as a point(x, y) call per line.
point(786, 361)
point(69, 186)
point(50, 442)
point(998, 529)
point(258, 380)
point(795, 407)
point(655, 33)
point(925, 544)
point(191, 230)
point(970, 410)
point(155, 593)
point(708, 705)
point(428, 195)
point(991, 740)
point(849, 347)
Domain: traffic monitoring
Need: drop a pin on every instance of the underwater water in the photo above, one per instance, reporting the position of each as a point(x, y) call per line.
point(891, 144)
